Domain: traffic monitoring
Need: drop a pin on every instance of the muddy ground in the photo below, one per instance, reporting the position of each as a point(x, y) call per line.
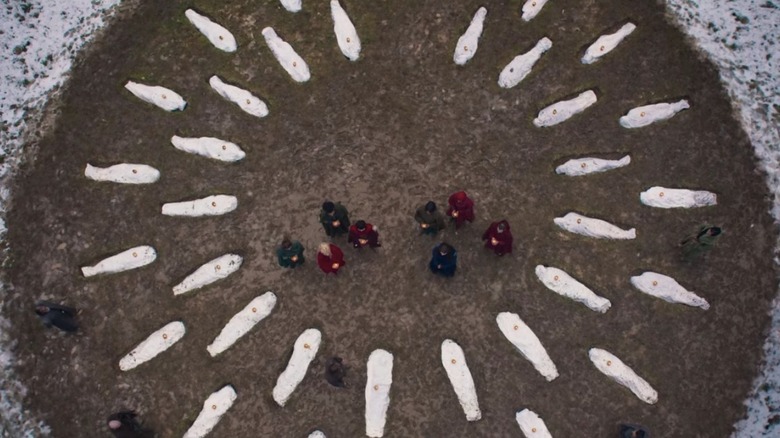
point(382, 135)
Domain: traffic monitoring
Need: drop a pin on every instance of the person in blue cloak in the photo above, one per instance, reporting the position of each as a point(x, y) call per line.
point(444, 260)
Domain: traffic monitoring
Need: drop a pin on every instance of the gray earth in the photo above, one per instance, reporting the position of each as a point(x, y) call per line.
point(383, 135)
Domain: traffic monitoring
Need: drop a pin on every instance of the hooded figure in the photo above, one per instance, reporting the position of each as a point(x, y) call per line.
point(335, 371)
point(498, 238)
point(461, 208)
point(124, 425)
point(444, 260)
point(330, 258)
point(430, 219)
point(363, 234)
point(290, 254)
point(700, 243)
point(52, 314)
point(334, 218)
point(633, 431)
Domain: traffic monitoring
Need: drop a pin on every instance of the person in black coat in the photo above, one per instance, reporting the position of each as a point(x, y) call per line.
point(52, 314)
point(335, 371)
point(124, 425)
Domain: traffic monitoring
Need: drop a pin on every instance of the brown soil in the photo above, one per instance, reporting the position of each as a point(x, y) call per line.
point(383, 135)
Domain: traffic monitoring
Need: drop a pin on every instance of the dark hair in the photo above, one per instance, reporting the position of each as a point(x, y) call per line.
point(361, 225)
point(714, 231)
point(444, 248)
point(501, 226)
point(430, 207)
point(328, 207)
point(286, 242)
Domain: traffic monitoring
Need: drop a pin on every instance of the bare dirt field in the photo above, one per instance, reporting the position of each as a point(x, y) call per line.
point(400, 126)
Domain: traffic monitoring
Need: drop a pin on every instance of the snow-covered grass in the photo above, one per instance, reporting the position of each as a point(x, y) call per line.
point(40, 38)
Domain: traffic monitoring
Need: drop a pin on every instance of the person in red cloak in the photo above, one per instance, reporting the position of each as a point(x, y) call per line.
point(461, 208)
point(363, 234)
point(498, 238)
point(330, 258)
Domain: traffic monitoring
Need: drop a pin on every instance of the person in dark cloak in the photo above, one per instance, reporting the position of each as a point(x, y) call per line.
point(53, 314)
point(124, 425)
point(430, 219)
point(334, 218)
point(498, 238)
point(363, 234)
point(633, 431)
point(698, 244)
point(461, 208)
point(330, 258)
point(444, 260)
point(335, 371)
point(290, 254)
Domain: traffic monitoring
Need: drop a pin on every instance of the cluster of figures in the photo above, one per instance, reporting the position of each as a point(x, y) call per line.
point(334, 218)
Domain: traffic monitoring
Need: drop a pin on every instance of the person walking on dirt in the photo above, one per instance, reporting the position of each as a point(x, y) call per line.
point(498, 238)
point(335, 371)
point(52, 314)
point(334, 218)
point(444, 260)
point(330, 258)
point(430, 219)
point(124, 425)
point(633, 431)
point(363, 234)
point(698, 244)
point(461, 208)
point(290, 254)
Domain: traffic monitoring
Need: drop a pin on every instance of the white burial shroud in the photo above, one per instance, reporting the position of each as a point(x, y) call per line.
point(648, 114)
point(245, 100)
point(585, 166)
point(578, 224)
point(564, 284)
point(606, 43)
point(667, 289)
point(379, 379)
point(125, 173)
point(521, 65)
point(526, 342)
point(454, 362)
point(531, 425)
point(209, 147)
point(663, 197)
point(220, 37)
point(210, 272)
point(214, 408)
point(129, 259)
point(467, 44)
point(565, 109)
point(531, 8)
point(305, 349)
point(153, 345)
point(295, 66)
point(317, 434)
point(615, 369)
point(161, 97)
point(242, 322)
point(292, 5)
point(346, 35)
point(209, 206)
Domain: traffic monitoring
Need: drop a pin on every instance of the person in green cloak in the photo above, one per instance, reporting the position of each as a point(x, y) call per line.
point(696, 245)
point(290, 254)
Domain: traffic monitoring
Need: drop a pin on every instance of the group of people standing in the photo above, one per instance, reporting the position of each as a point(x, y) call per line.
point(334, 218)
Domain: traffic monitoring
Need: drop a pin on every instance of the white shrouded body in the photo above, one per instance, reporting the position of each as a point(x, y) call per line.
point(521, 65)
point(290, 61)
point(161, 97)
point(245, 100)
point(467, 44)
point(317, 434)
point(305, 349)
point(667, 289)
point(242, 322)
point(587, 226)
point(606, 43)
point(454, 362)
point(524, 339)
point(214, 408)
point(209, 147)
point(564, 284)
point(663, 197)
point(531, 8)
point(210, 272)
point(129, 259)
point(565, 109)
point(378, 382)
point(125, 173)
point(648, 114)
point(209, 206)
point(531, 425)
point(220, 37)
point(291, 5)
point(615, 369)
point(585, 166)
point(346, 34)
point(153, 345)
